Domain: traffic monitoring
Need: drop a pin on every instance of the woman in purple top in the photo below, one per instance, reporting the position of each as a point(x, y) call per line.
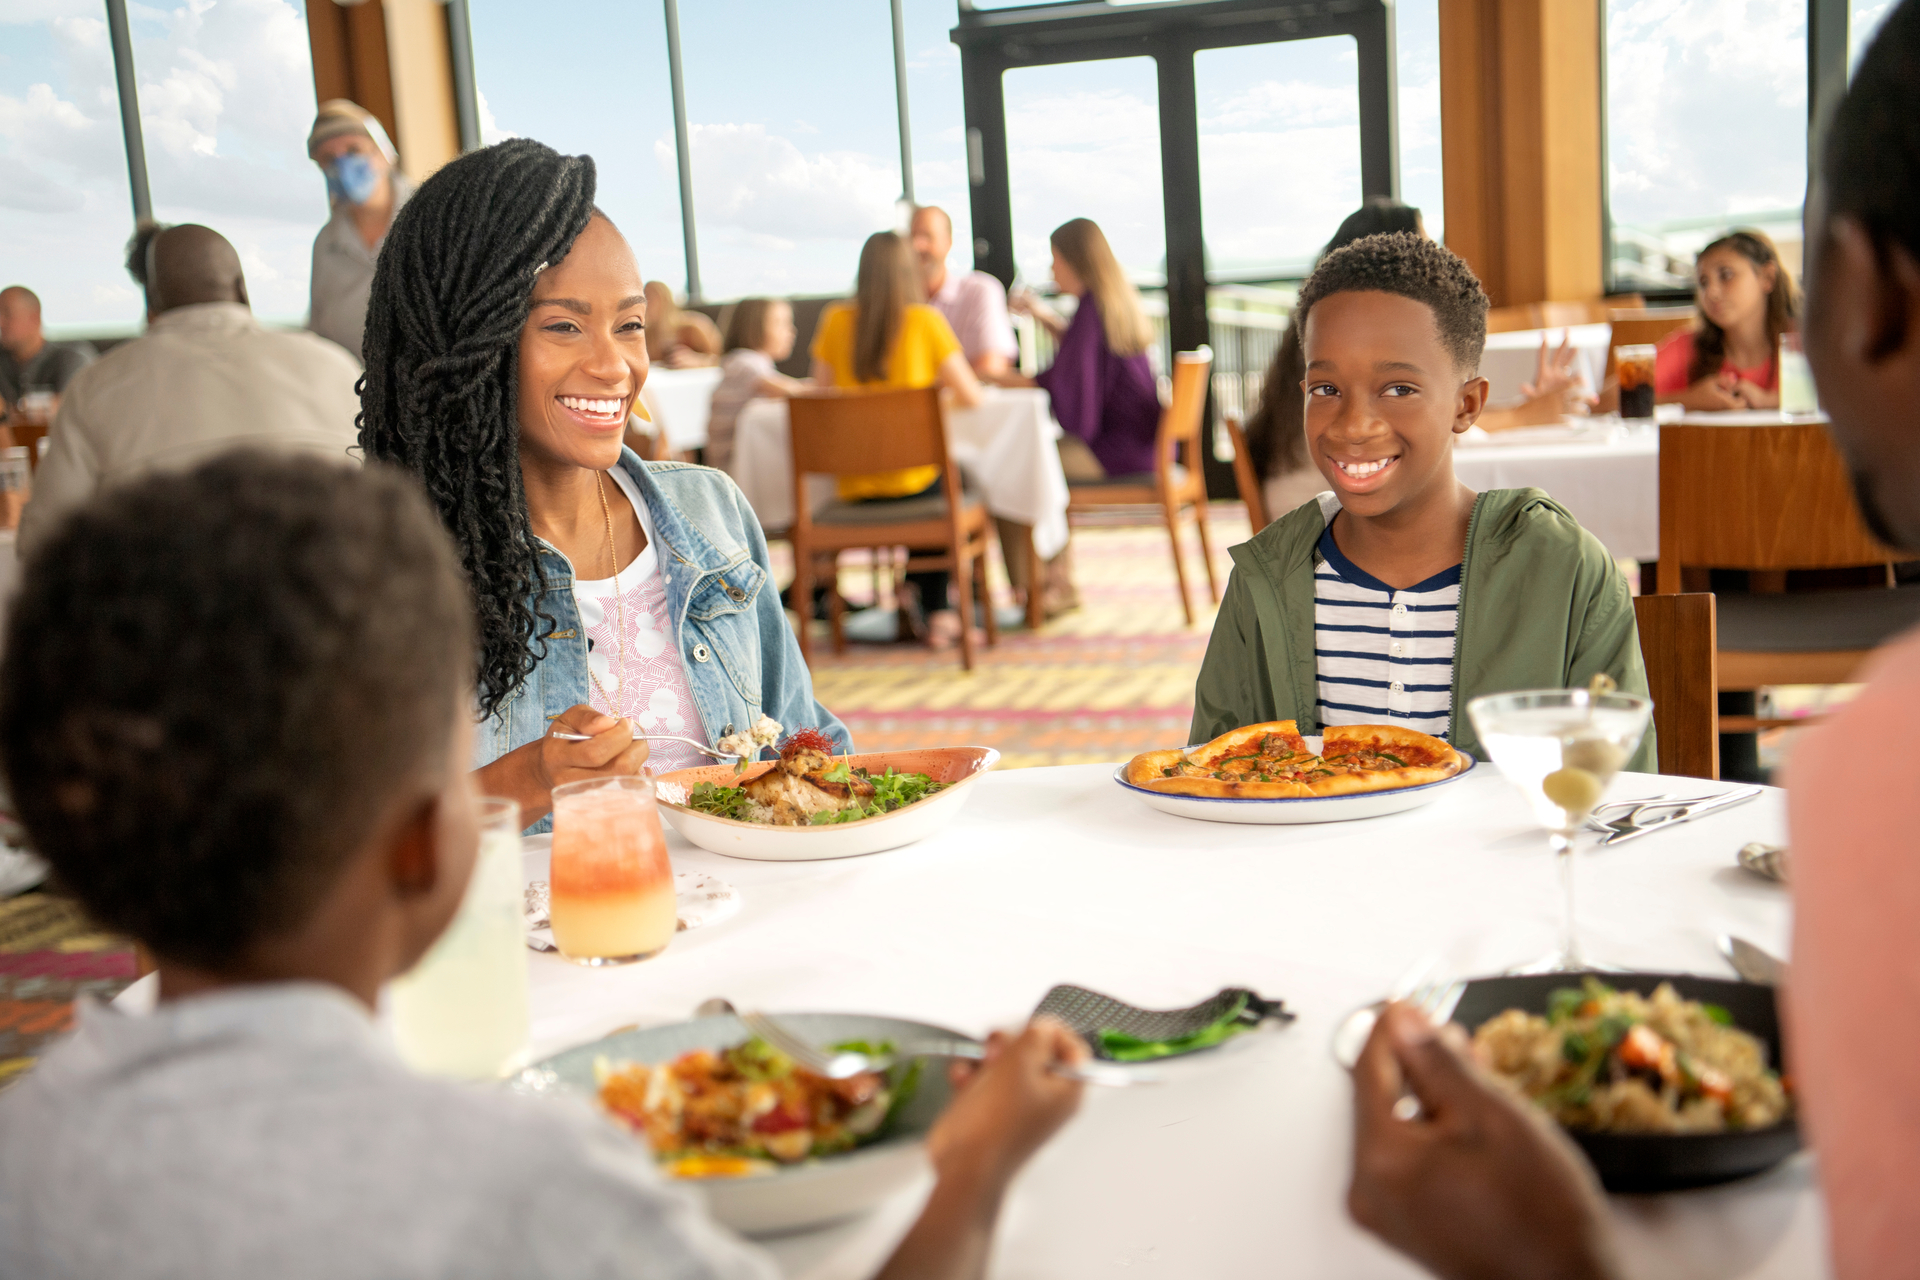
point(1101, 385)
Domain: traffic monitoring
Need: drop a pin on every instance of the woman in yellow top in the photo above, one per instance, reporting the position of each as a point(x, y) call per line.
point(889, 337)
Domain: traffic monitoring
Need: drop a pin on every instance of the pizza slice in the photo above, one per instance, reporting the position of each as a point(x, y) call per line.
point(1382, 757)
point(1258, 762)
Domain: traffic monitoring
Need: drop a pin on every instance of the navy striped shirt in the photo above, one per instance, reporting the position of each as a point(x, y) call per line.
point(1383, 655)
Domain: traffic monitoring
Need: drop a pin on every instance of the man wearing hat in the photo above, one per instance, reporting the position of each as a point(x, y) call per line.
point(352, 150)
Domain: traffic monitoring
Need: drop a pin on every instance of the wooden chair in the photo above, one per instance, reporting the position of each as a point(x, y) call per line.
point(1677, 645)
point(1246, 479)
point(1177, 483)
point(1547, 315)
point(1769, 499)
point(853, 433)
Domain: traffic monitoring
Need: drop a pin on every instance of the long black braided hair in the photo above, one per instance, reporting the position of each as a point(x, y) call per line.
point(450, 295)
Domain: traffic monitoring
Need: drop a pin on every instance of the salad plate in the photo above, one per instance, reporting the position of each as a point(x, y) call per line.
point(955, 768)
point(815, 1191)
point(1296, 809)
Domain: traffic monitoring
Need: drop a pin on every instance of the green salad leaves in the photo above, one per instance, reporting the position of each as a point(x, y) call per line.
point(1121, 1047)
point(891, 790)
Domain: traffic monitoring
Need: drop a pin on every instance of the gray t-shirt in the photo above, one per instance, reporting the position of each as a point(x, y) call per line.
point(50, 369)
point(268, 1131)
point(342, 280)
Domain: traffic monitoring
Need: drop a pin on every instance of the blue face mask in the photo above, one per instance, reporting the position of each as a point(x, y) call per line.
point(352, 178)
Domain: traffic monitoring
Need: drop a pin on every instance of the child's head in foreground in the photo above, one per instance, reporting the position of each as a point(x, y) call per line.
point(1392, 328)
point(233, 715)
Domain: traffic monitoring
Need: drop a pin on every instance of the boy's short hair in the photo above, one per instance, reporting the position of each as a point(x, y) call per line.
point(1411, 266)
point(1870, 168)
point(216, 682)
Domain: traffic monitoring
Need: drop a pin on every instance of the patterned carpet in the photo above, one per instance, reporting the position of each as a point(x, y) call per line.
point(1108, 680)
point(49, 954)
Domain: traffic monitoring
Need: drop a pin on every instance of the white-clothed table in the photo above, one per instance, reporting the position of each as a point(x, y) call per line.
point(1511, 359)
point(679, 401)
point(1240, 1169)
point(1005, 443)
point(1606, 474)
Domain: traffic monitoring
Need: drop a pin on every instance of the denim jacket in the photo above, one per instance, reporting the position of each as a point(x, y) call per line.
point(740, 655)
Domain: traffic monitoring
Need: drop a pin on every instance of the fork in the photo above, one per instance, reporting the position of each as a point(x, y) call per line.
point(1436, 1000)
point(702, 748)
point(840, 1064)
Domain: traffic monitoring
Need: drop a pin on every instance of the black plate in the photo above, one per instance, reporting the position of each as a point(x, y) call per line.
point(1641, 1162)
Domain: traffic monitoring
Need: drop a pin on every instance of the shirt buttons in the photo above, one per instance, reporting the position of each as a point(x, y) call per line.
point(735, 594)
point(1399, 611)
point(1395, 648)
point(701, 654)
point(1397, 687)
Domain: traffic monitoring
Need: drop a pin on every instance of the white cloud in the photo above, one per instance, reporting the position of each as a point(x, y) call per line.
point(25, 188)
point(490, 130)
point(1707, 107)
point(747, 178)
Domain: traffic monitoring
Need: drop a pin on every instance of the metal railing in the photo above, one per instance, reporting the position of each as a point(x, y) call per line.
point(1245, 323)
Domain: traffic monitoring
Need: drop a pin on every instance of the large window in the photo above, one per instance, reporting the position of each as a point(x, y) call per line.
point(596, 85)
point(1083, 141)
point(1706, 130)
point(795, 140)
point(226, 100)
point(64, 208)
point(1416, 39)
point(1279, 153)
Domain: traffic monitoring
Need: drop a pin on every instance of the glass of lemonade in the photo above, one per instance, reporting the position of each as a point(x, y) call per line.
point(1561, 747)
point(613, 897)
point(462, 1011)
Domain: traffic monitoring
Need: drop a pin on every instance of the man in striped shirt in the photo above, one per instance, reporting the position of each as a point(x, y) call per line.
point(1402, 594)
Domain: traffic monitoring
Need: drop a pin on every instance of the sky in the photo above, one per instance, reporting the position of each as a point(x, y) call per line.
point(794, 142)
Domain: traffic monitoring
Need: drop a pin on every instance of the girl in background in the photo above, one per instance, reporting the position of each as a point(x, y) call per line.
point(759, 336)
point(1731, 358)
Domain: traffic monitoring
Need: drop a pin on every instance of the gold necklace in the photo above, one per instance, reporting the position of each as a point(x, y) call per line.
point(619, 602)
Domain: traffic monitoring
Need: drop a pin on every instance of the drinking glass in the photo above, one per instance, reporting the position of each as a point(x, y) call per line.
point(1634, 363)
point(1561, 747)
point(462, 1011)
point(1797, 393)
point(613, 898)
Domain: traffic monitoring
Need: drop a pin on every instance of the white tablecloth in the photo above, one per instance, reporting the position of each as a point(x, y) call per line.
point(679, 401)
point(1607, 475)
point(1006, 444)
point(1512, 359)
point(1055, 875)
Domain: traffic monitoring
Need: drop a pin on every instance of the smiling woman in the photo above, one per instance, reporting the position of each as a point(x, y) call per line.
point(506, 345)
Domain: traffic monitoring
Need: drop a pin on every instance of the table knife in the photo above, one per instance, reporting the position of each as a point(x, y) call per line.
point(1753, 963)
point(1687, 814)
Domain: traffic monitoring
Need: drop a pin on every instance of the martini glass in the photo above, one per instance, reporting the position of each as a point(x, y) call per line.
point(1561, 747)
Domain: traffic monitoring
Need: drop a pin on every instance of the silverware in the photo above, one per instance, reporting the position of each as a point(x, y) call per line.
point(1678, 813)
point(1753, 963)
point(1768, 861)
point(840, 1064)
point(702, 748)
point(1436, 1000)
point(1632, 809)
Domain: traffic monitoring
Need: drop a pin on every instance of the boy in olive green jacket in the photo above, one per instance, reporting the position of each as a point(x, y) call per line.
point(1402, 595)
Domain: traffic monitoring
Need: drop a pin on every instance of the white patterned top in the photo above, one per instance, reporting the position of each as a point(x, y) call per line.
point(652, 690)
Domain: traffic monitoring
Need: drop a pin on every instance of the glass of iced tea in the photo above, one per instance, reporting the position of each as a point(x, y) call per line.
point(613, 898)
point(1634, 363)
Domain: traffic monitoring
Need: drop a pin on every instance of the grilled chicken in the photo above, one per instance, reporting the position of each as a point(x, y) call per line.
point(796, 788)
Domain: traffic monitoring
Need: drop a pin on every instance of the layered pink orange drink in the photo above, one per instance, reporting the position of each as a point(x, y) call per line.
point(613, 897)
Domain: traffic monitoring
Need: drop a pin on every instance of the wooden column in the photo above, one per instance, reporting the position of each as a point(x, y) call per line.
point(1520, 98)
point(394, 58)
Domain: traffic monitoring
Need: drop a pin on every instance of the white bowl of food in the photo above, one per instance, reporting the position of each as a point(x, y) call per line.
point(854, 1152)
point(810, 804)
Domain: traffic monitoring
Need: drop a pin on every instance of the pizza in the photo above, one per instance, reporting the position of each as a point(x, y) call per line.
point(1273, 761)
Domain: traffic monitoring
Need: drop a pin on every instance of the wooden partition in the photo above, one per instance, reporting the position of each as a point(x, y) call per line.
point(395, 58)
point(1520, 123)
